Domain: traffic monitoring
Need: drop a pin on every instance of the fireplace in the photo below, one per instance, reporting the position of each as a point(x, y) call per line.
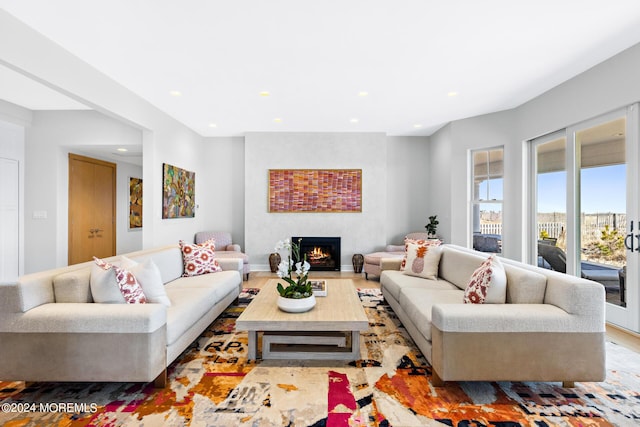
point(323, 253)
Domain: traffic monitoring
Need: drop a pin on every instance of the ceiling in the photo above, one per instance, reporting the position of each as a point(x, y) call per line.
point(402, 67)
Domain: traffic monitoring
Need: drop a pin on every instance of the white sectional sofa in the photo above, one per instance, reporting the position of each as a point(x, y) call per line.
point(551, 327)
point(51, 330)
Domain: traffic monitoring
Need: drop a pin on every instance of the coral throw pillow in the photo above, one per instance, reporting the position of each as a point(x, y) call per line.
point(199, 259)
point(129, 287)
point(428, 242)
point(488, 284)
point(422, 260)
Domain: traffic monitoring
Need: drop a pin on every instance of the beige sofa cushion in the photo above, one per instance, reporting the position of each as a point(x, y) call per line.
point(395, 281)
point(524, 286)
point(188, 305)
point(457, 266)
point(222, 283)
point(168, 259)
point(73, 287)
point(417, 304)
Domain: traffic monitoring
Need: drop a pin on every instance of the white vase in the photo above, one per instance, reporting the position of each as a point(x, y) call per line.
point(296, 305)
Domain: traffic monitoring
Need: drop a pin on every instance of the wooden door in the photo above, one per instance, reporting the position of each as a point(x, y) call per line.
point(92, 208)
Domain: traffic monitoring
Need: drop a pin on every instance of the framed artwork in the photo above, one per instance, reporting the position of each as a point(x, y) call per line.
point(178, 192)
point(315, 190)
point(135, 203)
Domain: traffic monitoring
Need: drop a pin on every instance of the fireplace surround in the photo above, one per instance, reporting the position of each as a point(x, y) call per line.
point(323, 253)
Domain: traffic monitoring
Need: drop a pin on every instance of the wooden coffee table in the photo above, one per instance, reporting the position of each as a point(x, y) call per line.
point(329, 331)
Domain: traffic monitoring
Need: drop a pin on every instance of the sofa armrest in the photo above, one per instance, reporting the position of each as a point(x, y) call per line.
point(511, 318)
point(230, 263)
point(575, 295)
point(9, 298)
point(234, 247)
point(390, 264)
point(86, 318)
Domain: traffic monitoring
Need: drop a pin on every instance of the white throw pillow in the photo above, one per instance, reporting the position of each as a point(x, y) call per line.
point(104, 287)
point(488, 284)
point(128, 286)
point(407, 241)
point(422, 260)
point(148, 275)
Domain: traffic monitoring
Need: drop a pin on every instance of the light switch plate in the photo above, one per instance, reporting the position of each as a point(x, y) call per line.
point(39, 214)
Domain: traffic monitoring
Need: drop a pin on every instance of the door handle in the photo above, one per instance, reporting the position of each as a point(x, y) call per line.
point(629, 238)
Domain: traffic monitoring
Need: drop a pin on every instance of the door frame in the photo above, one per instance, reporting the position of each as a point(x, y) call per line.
point(77, 157)
point(627, 317)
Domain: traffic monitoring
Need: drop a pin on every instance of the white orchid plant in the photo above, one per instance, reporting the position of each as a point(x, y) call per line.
point(299, 287)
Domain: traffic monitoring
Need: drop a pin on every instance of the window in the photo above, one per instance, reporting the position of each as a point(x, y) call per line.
point(487, 198)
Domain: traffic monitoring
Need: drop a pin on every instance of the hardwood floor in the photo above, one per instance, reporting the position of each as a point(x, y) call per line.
point(257, 279)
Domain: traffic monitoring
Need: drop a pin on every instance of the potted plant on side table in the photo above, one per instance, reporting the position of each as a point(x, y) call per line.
point(297, 296)
point(432, 226)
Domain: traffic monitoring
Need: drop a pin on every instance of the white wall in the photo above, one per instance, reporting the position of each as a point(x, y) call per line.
point(440, 179)
point(409, 204)
point(360, 232)
point(222, 191)
point(12, 148)
point(49, 140)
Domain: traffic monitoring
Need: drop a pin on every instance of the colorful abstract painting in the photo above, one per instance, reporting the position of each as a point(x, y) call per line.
point(315, 190)
point(178, 192)
point(135, 202)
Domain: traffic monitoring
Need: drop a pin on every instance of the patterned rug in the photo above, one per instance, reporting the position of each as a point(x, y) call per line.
point(213, 384)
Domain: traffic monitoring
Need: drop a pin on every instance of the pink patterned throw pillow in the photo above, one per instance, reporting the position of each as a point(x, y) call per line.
point(199, 259)
point(420, 242)
point(488, 283)
point(129, 287)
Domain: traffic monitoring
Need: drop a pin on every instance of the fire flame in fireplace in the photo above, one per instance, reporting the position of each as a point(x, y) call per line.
point(317, 254)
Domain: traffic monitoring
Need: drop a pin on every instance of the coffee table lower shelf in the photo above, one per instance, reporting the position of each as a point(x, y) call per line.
point(328, 345)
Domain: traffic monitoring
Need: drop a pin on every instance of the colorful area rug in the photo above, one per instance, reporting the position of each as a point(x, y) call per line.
point(213, 384)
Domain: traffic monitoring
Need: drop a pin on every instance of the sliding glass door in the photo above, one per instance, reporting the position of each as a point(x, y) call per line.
point(585, 185)
point(602, 178)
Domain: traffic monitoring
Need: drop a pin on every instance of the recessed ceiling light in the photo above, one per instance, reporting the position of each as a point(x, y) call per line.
point(417, 126)
point(363, 93)
point(175, 93)
point(122, 149)
point(277, 120)
point(265, 93)
point(213, 125)
point(354, 120)
point(452, 93)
